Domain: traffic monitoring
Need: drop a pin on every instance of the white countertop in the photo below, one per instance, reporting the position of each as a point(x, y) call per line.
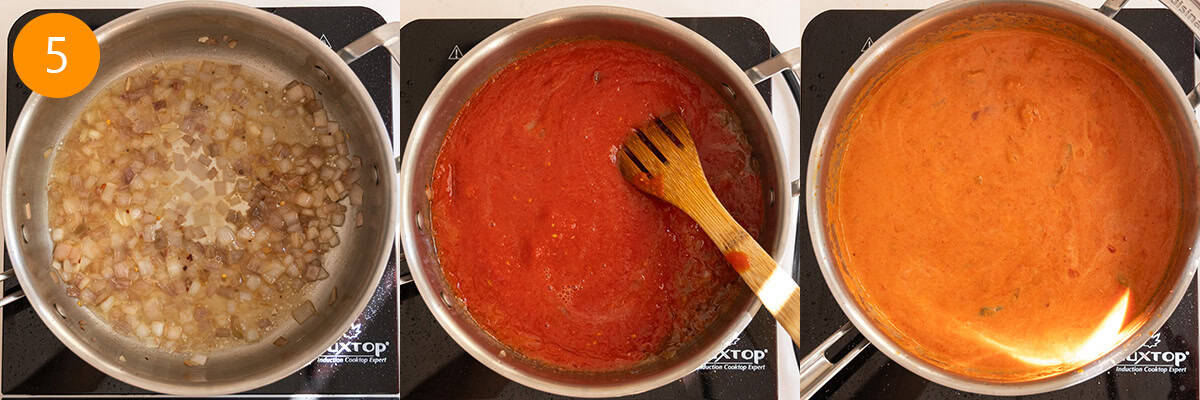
point(784, 21)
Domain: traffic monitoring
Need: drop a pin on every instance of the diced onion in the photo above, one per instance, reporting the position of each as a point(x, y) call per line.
point(294, 92)
point(303, 312)
point(196, 360)
point(320, 119)
point(225, 235)
point(246, 233)
point(356, 195)
point(193, 197)
point(304, 199)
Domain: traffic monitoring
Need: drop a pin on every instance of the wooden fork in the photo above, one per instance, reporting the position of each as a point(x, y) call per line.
point(660, 158)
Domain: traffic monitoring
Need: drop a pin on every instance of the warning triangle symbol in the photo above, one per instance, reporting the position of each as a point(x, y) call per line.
point(326, 41)
point(867, 45)
point(456, 53)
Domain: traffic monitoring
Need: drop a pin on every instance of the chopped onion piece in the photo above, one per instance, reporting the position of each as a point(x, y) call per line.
point(174, 332)
point(320, 119)
point(196, 360)
point(225, 236)
point(294, 91)
point(314, 272)
point(303, 312)
point(246, 233)
point(253, 282)
point(356, 195)
point(304, 199)
point(268, 135)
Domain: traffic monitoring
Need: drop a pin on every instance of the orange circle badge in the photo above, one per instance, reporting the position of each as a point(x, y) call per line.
point(56, 55)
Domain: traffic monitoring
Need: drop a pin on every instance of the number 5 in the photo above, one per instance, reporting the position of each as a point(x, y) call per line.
point(50, 50)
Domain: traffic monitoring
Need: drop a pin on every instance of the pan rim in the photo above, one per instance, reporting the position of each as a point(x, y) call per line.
point(424, 129)
point(113, 368)
point(815, 195)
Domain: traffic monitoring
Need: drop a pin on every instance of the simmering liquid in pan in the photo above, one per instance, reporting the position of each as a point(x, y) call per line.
point(1007, 201)
point(192, 204)
point(551, 251)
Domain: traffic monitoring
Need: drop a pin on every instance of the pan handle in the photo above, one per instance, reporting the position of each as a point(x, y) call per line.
point(817, 368)
point(781, 63)
point(11, 297)
point(1110, 8)
point(1186, 10)
point(387, 35)
point(788, 60)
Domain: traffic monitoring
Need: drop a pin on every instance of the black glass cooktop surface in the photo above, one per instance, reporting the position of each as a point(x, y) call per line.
point(363, 362)
point(1162, 368)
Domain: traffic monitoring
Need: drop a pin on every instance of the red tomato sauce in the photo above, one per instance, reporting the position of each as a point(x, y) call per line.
point(551, 251)
point(738, 261)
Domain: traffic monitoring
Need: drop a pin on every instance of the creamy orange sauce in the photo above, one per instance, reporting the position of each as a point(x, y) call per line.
point(1000, 193)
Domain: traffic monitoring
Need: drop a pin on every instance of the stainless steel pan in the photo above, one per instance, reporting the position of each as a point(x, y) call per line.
point(269, 44)
point(1093, 28)
point(652, 31)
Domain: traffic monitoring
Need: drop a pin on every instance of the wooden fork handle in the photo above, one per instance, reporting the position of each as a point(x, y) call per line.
point(773, 286)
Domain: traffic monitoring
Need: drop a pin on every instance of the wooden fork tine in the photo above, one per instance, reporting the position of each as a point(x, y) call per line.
point(678, 129)
point(661, 140)
point(643, 154)
point(656, 135)
point(628, 165)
